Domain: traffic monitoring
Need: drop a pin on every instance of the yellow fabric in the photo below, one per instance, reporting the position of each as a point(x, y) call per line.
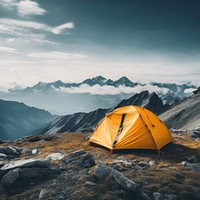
point(141, 129)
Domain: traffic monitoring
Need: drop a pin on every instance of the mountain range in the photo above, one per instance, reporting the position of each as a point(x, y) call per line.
point(185, 115)
point(93, 93)
point(18, 119)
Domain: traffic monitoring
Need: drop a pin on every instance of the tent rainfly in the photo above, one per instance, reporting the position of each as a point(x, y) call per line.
point(131, 127)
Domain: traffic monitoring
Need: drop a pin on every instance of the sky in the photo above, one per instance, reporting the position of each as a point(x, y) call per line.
point(71, 40)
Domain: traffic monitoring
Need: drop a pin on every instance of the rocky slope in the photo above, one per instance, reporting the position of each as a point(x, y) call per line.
point(88, 121)
point(18, 119)
point(64, 166)
point(186, 115)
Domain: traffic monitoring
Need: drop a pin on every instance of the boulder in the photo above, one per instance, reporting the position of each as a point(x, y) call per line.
point(101, 171)
point(9, 178)
point(33, 162)
point(9, 150)
point(55, 156)
point(27, 173)
point(80, 158)
point(123, 181)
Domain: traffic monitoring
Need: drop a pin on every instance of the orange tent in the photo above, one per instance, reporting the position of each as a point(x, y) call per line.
point(131, 127)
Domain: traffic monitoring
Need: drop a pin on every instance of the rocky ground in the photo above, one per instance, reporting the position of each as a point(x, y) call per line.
point(64, 166)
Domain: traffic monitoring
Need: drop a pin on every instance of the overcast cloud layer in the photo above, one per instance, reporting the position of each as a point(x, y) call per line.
point(73, 40)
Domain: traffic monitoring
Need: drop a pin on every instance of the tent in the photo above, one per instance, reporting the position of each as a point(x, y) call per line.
point(131, 127)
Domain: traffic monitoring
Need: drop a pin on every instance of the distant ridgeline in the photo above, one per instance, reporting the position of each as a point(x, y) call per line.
point(93, 93)
point(18, 119)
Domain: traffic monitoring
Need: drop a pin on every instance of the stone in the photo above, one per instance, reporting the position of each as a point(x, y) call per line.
point(43, 194)
point(34, 151)
point(33, 162)
point(8, 150)
point(152, 162)
point(157, 196)
point(89, 183)
point(80, 158)
point(26, 151)
point(195, 167)
point(143, 165)
point(9, 178)
point(2, 155)
point(123, 181)
point(101, 171)
point(55, 156)
point(27, 174)
point(125, 163)
point(170, 197)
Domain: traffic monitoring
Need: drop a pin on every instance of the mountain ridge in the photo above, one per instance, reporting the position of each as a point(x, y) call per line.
point(85, 122)
point(185, 115)
point(18, 119)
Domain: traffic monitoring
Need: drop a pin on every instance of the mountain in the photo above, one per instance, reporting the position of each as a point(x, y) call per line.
point(18, 119)
point(88, 121)
point(186, 115)
point(93, 93)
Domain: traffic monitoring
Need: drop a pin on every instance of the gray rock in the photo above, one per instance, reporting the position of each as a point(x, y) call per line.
point(34, 151)
point(55, 156)
point(2, 155)
point(124, 181)
point(9, 178)
point(195, 167)
point(8, 150)
point(125, 163)
point(157, 196)
point(170, 197)
point(27, 174)
point(151, 162)
point(43, 194)
point(33, 162)
point(89, 183)
point(80, 158)
point(143, 165)
point(101, 171)
point(26, 151)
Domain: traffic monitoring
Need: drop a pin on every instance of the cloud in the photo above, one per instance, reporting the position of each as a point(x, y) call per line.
point(23, 7)
point(9, 4)
point(110, 90)
point(28, 7)
point(11, 26)
point(59, 29)
point(8, 50)
point(57, 55)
